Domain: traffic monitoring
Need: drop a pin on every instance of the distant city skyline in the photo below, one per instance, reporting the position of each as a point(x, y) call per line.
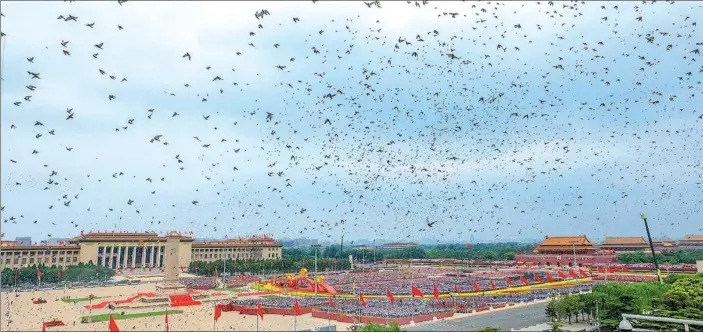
point(303, 241)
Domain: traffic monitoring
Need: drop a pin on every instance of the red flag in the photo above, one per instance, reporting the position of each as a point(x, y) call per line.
point(259, 310)
point(58, 273)
point(457, 290)
point(435, 292)
point(218, 312)
point(507, 280)
point(601, 270)
point(390, 296)
point(493, 285)
point(324, 262)
point(524, 280)
point(39, 274)
point(550, 277)
point(362, 300)
point(582, 272)
point(468, 246)
point(610, 270)
point(296, 307)
point(16, 275)
point(166, 321)
point(617, 269)
point(537, 278)
point(624, 268)
point(331, 301)
point(150, 269)
point(573, 273)
point(562, 275)
point(197, 268)
point(416, 292)
point(476, 288)
point(113, 325)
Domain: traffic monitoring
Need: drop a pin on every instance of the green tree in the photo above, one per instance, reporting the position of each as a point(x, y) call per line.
point(372, 327)
point(555, 327)
point(551, 310)
point(488, 329)
point(562, 309)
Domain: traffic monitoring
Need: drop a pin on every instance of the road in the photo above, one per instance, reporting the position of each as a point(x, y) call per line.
point(515, 318)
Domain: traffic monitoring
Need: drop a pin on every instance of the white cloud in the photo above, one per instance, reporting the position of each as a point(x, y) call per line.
point(156, 34)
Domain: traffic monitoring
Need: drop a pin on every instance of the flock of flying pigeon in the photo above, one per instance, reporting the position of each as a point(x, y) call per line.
point(491, 118)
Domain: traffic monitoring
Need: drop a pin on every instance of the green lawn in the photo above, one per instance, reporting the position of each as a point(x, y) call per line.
point(270, 296)
point(118, 316)
point(234, 290)
point(76, 300)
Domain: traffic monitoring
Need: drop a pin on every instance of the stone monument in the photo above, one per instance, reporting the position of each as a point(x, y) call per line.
point(171, 285)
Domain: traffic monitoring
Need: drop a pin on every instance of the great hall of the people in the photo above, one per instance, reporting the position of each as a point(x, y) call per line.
point(122, 250)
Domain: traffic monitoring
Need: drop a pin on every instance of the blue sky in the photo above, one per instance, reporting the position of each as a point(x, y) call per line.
point(426, 138)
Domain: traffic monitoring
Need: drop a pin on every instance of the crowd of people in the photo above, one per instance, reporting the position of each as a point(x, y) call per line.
point(625, 277)
point(650, 267)
point(199, 282)
point(382, 308)
point(358, 278)
point(282, 302)
point(446, 284)
point(237, 281)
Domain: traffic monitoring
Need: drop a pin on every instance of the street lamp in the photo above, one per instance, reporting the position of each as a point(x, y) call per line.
point(651, 247)
point(573, 245)
point(316, 246)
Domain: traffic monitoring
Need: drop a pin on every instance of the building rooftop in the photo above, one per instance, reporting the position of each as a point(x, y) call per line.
point(566, 241)
point(235, 242)
point(122, 236)
point(624, 241)
point(697, 238)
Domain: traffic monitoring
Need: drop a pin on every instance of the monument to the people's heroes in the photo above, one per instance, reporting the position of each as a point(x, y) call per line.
point(171, 285)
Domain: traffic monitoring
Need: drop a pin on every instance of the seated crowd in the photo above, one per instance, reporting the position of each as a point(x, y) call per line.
point(199, 282)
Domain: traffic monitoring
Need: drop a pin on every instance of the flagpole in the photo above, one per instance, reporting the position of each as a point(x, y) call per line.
point(257, 321)
point(295, 320)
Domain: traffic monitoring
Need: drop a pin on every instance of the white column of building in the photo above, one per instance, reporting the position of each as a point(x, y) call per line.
point(119, 256)
point(134, 256)
point(153, 256)
point(158, 256)
point(148, 257)
point(143, 256)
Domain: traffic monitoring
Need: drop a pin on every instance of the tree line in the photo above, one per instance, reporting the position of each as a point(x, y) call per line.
point(665, 257)
point(483, 251)
point(50, 274)
point(681, 296)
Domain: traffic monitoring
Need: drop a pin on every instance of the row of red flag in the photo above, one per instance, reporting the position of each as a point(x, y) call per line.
point(416, 292)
